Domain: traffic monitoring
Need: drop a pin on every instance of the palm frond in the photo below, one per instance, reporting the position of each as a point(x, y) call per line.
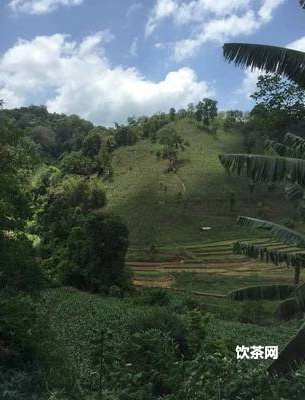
point(302, 3)
point(291, 357)
point(287, 62)
point(296, 143)
point(264, 292)
point(299, 293)
point(276, 149)
point(280, 232)
point(293, 192)
point(269, 255)
point(263, 168)
point(287, 309)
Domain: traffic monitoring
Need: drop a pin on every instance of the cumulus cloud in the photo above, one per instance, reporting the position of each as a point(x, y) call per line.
point(248, 85)
point(217, 30)
point(298, 44)
point(40, 6)
point(78, 78)
point(211, 20)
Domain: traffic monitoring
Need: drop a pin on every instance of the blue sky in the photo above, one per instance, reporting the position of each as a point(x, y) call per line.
point(108, 59)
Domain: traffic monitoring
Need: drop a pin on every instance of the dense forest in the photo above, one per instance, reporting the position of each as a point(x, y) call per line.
point(137, 261)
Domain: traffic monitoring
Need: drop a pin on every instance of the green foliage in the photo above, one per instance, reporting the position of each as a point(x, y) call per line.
point(77, 164)
point(171, 143)
point(95, 254)
point(253, 312)
point(266, 292)
point(213, 375)
point(124, 136)
point(233, 120)
point(17, 161)
point(292, 355)
point(169, 323)
point(206, 111)
point(75, 191)
point(19, 269)
point(150, 355)
point(153, 297)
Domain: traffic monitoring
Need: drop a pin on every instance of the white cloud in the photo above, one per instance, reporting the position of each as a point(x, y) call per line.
point(78, 78)
point(267, 9)
point(248, 85)
point(134, 47)
point(162, 9)
point(135, 7)
point(298, 44)
point(212, 20)
point(217, 30)
point(40, 6)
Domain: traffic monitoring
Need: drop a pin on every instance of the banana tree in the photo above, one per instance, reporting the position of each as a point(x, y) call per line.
point(262, 168)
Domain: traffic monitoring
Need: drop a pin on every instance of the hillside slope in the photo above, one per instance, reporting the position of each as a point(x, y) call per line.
point(196, 196)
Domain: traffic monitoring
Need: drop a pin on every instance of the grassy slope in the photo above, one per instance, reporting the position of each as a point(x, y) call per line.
point(197, 194)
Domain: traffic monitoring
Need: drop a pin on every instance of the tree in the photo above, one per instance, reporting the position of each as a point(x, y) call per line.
point(172, 114)
point(94, 256)
point(233, 119)
point(291, 64)
point(80, 245)
point(124, 135)
point(182, 113)
point(206, 111)
point(190, 110)
point(171, 144)
point(279, 106)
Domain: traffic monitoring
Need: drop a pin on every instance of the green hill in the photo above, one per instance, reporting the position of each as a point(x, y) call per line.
point(196, 195)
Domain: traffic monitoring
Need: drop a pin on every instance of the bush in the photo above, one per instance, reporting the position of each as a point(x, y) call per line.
point(168, 323)
point(216, 376)
point(95, 254)
point(155, 297)
point(19, 269)
point(253, 312)
point(151, 357)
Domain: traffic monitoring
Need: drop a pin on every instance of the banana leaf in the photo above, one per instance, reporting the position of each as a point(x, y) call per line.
point(280, 232)
point(292, 355)
point(263, 168)
point(287, 62)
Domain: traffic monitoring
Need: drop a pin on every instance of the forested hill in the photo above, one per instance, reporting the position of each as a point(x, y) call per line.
point(161, 174)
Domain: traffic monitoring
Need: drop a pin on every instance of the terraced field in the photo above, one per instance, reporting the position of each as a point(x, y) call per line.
point(204, 266)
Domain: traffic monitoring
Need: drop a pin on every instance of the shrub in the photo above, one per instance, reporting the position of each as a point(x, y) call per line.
point(168, 323)
point(95, 254)
point(155, 297)
point(253, 312)
point(151, 357)
point(19, 269)
point(216, 376)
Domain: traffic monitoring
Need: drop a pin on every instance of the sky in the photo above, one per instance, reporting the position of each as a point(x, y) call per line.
point(106, 60)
